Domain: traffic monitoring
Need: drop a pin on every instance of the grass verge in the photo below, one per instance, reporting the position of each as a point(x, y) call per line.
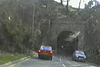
point(5, 58)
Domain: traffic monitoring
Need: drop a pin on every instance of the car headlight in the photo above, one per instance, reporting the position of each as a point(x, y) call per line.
point(84, 56)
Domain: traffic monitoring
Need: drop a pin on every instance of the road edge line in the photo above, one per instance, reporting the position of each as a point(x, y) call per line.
point(13, 62)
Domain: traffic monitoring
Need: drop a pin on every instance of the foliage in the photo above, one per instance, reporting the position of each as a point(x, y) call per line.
point(15, 35)
point(17, 19)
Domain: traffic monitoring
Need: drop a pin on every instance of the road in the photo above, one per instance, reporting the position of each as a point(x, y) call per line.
point(56, 62)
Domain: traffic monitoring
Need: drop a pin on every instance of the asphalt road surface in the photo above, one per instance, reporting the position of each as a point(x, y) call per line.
point(56, 62)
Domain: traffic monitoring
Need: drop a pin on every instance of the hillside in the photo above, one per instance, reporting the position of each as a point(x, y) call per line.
point(26, 24)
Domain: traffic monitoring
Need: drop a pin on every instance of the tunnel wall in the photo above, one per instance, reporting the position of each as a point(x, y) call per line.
point(66, 47)
point(57, 28)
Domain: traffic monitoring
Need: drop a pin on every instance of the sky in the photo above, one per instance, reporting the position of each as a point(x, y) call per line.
point(75, 3)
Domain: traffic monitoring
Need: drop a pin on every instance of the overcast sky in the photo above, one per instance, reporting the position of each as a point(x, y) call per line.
point(75, 3)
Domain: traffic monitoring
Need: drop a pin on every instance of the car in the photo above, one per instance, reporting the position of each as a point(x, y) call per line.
point(45, 52)
point(79, 56)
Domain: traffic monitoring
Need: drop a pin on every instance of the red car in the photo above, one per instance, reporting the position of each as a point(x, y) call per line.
point(45, 52)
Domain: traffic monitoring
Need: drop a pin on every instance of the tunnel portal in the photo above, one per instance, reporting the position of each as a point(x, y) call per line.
point(66, 45)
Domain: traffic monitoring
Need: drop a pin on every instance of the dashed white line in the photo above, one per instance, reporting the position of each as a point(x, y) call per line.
point(63, 65)
point(13, 65)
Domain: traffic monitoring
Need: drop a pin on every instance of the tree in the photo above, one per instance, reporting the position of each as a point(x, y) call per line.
point(89, 5)
point(67, 6)
point(96, 2)
point(79, 4)
point(61, 1)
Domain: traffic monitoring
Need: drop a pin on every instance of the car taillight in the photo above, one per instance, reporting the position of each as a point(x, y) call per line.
point(39, 51)
point(50, 52)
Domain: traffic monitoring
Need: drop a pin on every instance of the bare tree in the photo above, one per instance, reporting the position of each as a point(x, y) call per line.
point(79, 4)
point(90, 3)
point(61, 1)
point(96, 2)
point(67, 6)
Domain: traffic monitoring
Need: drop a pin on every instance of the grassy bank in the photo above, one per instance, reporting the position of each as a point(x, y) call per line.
point(5, 58)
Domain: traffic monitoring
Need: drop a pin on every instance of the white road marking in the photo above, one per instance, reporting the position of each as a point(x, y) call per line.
point(13, 65)
point(63, 65)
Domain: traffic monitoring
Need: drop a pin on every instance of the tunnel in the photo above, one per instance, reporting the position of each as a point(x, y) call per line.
point(66, 47)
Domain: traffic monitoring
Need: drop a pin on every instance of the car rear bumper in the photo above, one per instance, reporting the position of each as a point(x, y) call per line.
point(80, 59)
point(44, 56)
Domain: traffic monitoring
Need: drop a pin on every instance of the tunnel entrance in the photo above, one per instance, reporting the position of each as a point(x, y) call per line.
point(66, 45)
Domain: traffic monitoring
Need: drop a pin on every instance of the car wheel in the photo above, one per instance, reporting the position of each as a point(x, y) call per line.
point(39, 56)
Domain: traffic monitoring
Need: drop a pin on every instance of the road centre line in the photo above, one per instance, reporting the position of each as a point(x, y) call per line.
point(63, 65)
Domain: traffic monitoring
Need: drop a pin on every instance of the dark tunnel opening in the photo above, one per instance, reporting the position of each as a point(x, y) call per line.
point(66, 47)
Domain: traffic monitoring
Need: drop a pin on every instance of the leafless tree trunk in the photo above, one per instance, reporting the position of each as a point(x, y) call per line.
point(61, 1)
point(67, 6)
point(79, 4)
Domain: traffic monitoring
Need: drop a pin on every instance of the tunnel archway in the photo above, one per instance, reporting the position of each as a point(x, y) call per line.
point(66, 47)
